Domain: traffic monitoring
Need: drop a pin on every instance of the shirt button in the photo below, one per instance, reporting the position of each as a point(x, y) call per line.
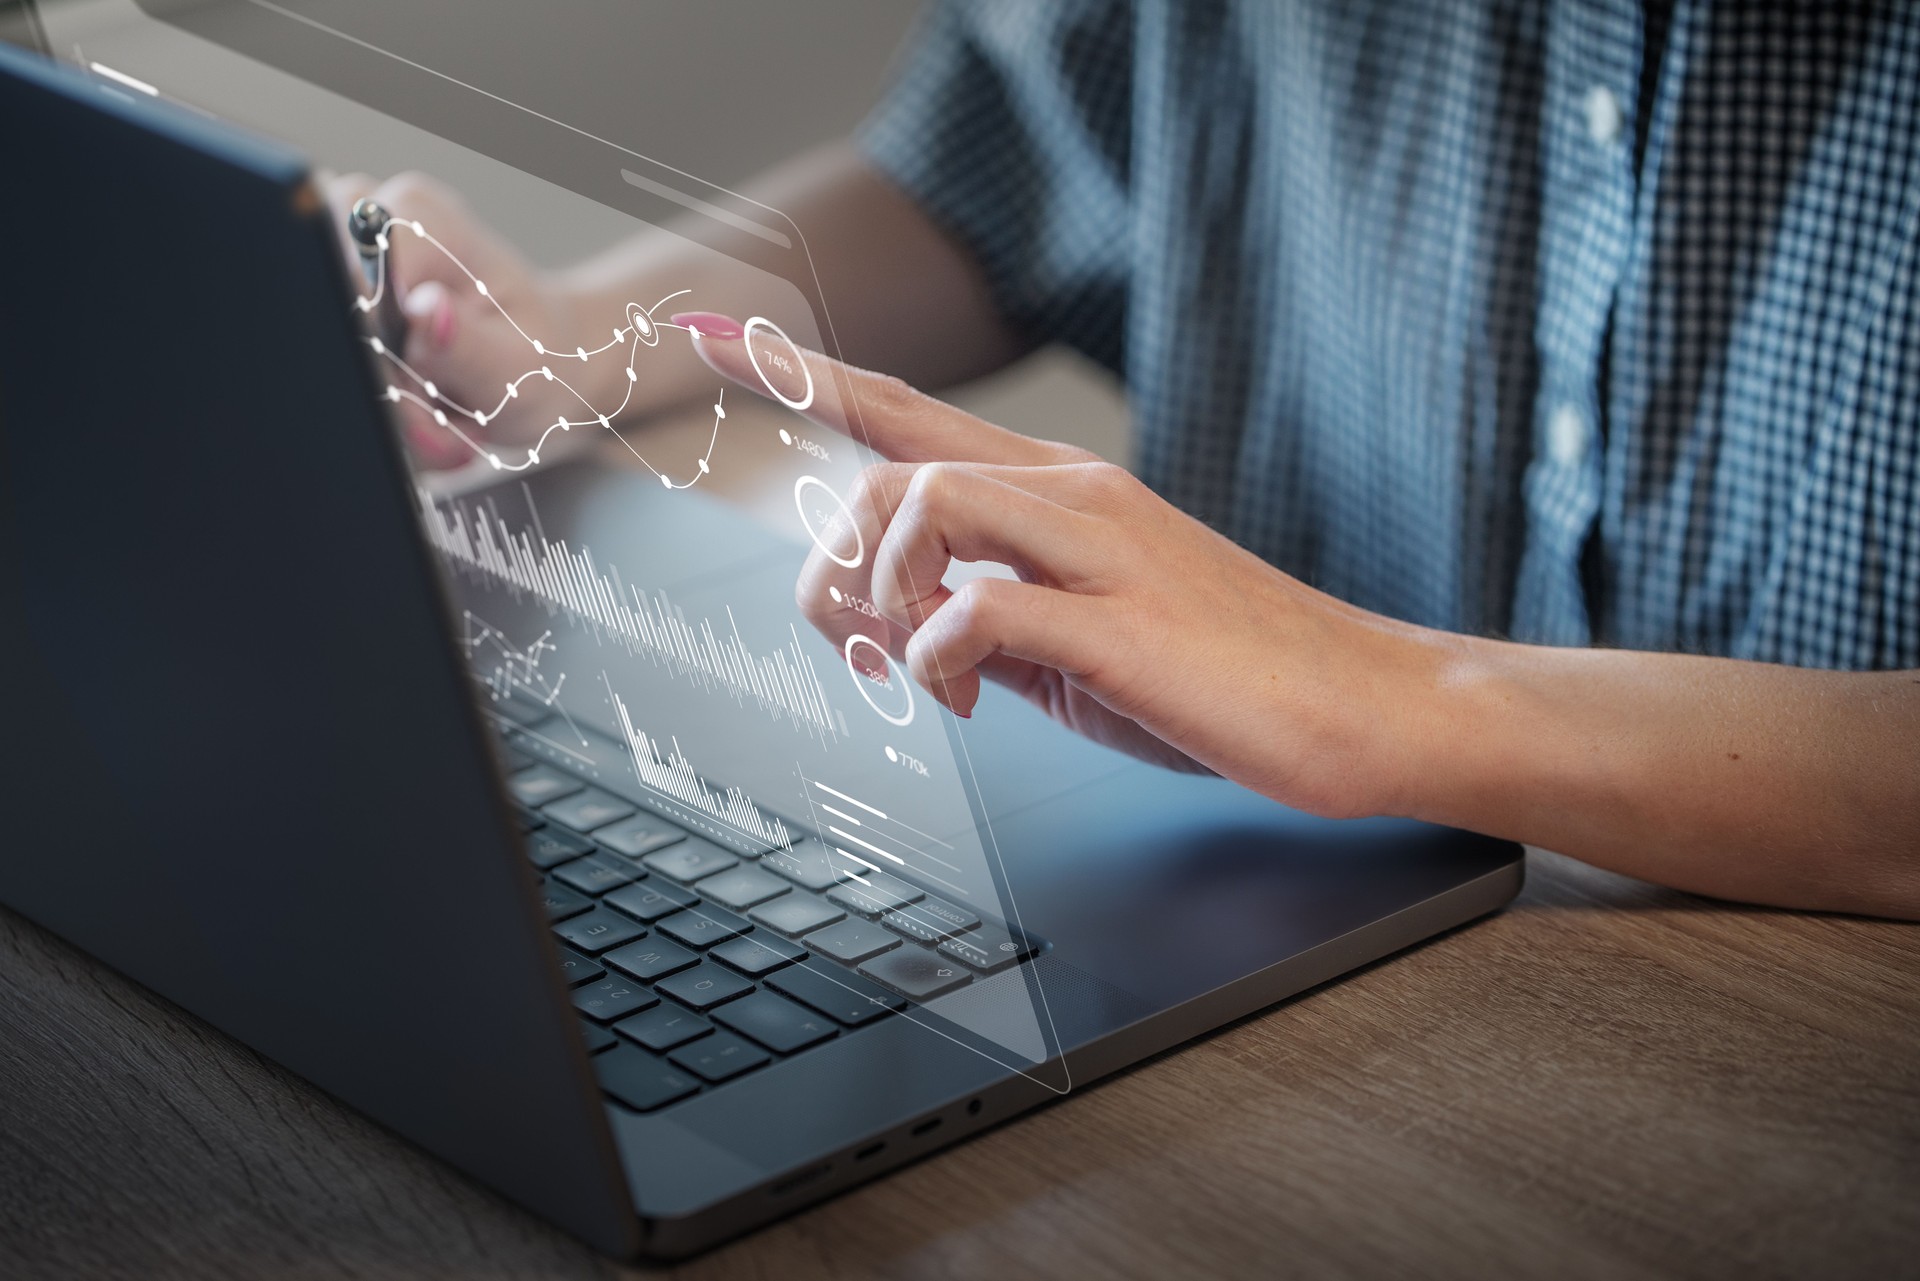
point(1603, 115)
point(1567, 435)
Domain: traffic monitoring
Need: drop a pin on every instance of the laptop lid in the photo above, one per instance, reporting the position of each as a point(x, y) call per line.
point(243, 763)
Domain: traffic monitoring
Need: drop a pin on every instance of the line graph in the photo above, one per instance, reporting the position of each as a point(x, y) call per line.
point(506, 670)
point(640, 327)
point(675, 776)
point(783, 682)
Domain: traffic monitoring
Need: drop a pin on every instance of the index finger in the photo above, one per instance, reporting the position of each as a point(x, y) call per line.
point(889, 416)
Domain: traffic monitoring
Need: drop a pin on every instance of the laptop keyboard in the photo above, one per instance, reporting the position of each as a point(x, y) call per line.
point(692, 965)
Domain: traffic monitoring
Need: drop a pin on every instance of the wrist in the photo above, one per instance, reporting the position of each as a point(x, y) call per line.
point(1451, 717)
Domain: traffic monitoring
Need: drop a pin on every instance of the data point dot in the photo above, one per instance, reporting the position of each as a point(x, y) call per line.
point(538, 350)
point(548, 372)
point(377, 345)
point(480, 419)
point(533, 455)
point(667, 482)
point(619, 334)
point(785, 437)
point(580, 352)
point(892, 755)
point(513, 389)
point(495, 460)
point(605, 423)
point(440, 417)
point(393, 393)
point(835, 593)
point(704, 469)
point(632, 377)
point(432, 391)
point(418, 230)
point(481, 285)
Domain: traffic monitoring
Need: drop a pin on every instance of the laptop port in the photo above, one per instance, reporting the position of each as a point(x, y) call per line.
point(927, 1126)
point(872, 1149)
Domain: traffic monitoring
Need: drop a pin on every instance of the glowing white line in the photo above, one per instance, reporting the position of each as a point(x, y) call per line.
point(841, 814)
point(856, 858)
point(367, 302)
point(121, 77)
point(848, 799)
point(866, 845)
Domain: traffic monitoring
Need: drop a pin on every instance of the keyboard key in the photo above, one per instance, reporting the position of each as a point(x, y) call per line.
point(663, 1027)
point(796, 913)
point(758, 953)
point(988, 948)
point(846, 997)
point(638, 836)
point(584, 811)
point(598, 1038)
point(703, 926)
point(527, 820)
point(651, 958)
point(650, 900)
point(562, 902)
point(598, 930)
point(741, 888)
point(917, 973)
point(704, 986)
point(550, 847)
point(596, 874)
point(931, 919)
point(807, 865)
point(720, 1057)
point(578, 969)
point(690, 860)
point(776, 1022)
point(611, 999)
point(881, 893)
point(851, 941)
point(535, 787)
point(639, 1080)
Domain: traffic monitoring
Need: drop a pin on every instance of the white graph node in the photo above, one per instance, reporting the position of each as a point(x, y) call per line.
point(640, 323)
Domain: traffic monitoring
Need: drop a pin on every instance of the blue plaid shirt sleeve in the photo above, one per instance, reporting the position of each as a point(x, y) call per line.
point(1579, 322)
point(1015, 141)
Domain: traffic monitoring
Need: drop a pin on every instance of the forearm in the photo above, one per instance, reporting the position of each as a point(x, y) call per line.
point(903, 296)
point(1740, 780)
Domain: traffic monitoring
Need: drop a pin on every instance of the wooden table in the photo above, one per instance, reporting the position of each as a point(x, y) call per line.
point(1605, 1080)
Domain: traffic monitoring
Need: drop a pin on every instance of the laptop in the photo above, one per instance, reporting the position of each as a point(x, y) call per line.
point(526, 816)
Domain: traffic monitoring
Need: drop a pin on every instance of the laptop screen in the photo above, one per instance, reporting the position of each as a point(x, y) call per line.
point(623, 585)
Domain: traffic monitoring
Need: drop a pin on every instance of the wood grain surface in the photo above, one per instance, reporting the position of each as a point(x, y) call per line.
point(1607, 1080)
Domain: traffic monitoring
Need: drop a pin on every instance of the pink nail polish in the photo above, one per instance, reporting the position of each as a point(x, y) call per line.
point(709, 324)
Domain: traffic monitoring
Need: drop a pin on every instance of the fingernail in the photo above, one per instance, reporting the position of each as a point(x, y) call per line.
point(709, 324)
point(430, 303)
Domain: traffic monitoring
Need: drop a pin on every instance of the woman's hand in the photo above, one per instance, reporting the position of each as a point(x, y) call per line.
point(461, 348)
point(1131, 622)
